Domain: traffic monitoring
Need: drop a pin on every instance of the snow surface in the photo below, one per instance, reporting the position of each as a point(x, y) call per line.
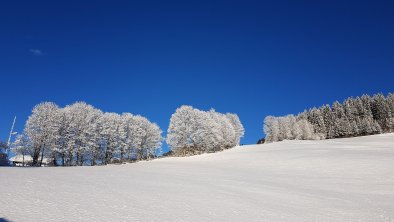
point(331, 180)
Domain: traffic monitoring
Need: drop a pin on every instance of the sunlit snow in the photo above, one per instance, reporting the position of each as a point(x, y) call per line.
point(329, 180)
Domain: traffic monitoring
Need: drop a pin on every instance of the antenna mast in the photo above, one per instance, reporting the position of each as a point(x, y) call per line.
point(11, 133)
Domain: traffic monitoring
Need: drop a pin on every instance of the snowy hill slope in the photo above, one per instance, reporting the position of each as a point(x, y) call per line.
point(332, 180)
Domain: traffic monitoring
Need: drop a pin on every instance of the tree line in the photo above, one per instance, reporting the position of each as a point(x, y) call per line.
point(360, 116)
point(80, 134)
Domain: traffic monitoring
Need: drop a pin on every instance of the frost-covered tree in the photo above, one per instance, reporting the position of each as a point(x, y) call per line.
point(194, 131)
point(271, 129)
point(208, 136)
point(306, 129)
point(128, 143)
point(183, 124)
point(153, 140)
point(381, 112)
point(237, 125)
point(80, 134)
point(342, 124)
point(352, 115)
point(133, 136)
point(289, 128)
point(81, 131)
point(390, 103)
point(329, 121)
point(225, 129)
point(111, 135)
point(22, 146)
point(315, 117)
point(358, 116)
point(363, 117)
point(41, 127)
point(285, 128)
point(147, 137)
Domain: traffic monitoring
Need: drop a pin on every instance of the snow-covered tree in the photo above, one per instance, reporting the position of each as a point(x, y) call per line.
point(352, 115)
point(225, 129)
point(147, 137)
point(41, 127)
point(80, 134)
point(289, 128)
point(390, 103)
point(329, 121)
point(315, 117)
point(271, 129)
point(110, 133)
point(153, 140)
point(81, 131)
point(342, 124)
point(285, 128)
point(237, 125)
point(194, 131)
point(208, 136)
point(180, 132)
point(363, 115)
point(381, 112)
point(306, 129)
point(22, 146)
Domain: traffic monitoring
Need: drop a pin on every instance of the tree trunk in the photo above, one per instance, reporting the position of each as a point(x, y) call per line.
point(42, 156)
point(63, 156)
point(70, 161)
point(54, 159)
point(81, 160)
point(94, 157)
point(36, 155)
point(77, 160)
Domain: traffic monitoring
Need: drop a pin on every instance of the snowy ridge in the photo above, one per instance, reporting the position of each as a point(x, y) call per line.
point(328, 180)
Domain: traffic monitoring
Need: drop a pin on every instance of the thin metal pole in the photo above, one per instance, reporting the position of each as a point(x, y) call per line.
point(11, 133)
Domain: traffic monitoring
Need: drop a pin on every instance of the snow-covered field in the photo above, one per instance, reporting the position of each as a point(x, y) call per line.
point(331, 180)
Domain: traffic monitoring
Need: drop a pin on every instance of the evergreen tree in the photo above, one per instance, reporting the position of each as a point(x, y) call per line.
point(381, 112)
point(390, 102)
point(358, 116)
point(329, 121)
point(315, 117)
point(342, 126)
point(351, 115)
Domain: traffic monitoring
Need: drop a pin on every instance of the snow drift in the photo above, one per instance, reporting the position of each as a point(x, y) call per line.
point(330, 180)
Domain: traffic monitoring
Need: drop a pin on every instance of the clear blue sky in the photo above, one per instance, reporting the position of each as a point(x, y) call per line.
point(149, 57)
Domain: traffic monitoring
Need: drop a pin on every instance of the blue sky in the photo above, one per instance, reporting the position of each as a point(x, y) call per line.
point(253, 58)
